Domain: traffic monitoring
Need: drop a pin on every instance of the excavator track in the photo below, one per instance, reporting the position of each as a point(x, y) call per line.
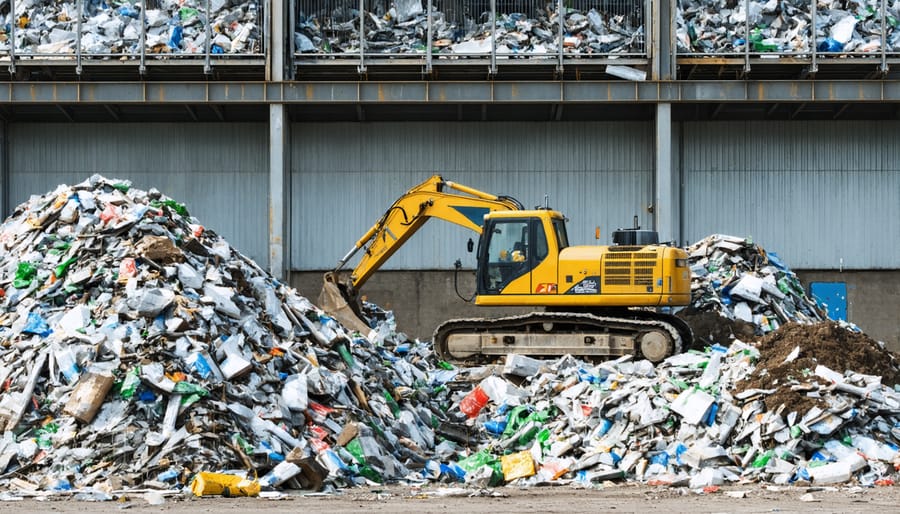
point(645, 334)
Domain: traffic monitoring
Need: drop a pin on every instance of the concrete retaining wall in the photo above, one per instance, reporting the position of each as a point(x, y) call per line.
point(423, 299)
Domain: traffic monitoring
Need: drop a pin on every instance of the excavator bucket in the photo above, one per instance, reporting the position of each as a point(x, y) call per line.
point(333, 301)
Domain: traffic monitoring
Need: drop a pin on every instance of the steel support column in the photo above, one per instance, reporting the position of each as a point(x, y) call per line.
point(662, 51)
point(665, 207)
point(4, 170)
point(279, 157)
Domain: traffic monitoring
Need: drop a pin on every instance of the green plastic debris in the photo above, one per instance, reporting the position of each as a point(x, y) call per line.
point(680, 384)
point(239, 441)
point(44, 435)
point(445, 365)
point(191, 392)
point(520, 416)
point(25, 273)
point(354, 448)
point(121, 186)
point(60, 271)
point(761, 460)
point(395, 408)
point(171, 204)
point(480, 459)
point(186, 13)
point(346, 355)
point(130, 383)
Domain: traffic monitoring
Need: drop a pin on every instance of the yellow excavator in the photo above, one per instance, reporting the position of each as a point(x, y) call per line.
point(592, 301)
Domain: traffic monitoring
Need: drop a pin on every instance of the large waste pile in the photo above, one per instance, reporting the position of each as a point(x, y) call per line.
point(402, 28)
point(721, 27)
point(139, 350)
point(44, 27)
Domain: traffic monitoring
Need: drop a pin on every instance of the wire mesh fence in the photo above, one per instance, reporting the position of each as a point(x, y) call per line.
point(454, 29)
point(103, 29)
point(845, 28)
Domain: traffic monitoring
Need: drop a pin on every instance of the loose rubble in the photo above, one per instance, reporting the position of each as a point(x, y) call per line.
point(50, 28)
point(139, 351)
point(402, 28)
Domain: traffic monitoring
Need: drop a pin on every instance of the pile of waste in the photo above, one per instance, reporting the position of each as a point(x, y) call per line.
point(137, 349)
point(813, 401)
point(720, 27)
point(403, 29)
point(737, 286)
point(697, 419)
point(43, 27)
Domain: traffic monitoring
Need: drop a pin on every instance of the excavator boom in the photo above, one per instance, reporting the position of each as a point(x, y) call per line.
point(433, 198)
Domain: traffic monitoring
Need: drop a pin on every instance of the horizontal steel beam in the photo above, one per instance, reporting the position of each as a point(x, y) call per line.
point(443, 92)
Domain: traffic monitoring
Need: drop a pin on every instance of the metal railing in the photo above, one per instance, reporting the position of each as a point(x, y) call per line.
point(96, 30)
point(450, 30)
point(811, 29)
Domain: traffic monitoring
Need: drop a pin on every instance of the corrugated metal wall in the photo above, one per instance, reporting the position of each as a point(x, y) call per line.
point(347, 174)
point(820, 194)
point(219, 170)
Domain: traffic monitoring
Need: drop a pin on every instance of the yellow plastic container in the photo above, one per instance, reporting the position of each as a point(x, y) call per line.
point(211, 484)
point(517, 465)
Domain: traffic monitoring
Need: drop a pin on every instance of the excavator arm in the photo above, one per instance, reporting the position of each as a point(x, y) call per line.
point(434, 198)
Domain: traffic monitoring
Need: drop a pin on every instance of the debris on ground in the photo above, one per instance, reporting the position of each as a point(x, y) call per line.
point(140, 351)
point(745, 285)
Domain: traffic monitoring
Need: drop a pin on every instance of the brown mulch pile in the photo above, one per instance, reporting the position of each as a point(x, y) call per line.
point(825, 343)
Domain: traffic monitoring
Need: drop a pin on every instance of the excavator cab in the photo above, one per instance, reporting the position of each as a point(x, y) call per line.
point(512, 246)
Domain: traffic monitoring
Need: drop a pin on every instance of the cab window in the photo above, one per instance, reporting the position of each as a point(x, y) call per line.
point(562, 238)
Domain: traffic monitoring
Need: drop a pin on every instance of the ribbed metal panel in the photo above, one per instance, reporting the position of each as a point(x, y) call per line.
point(347, 174)
point(823, 195)
point(218, 170)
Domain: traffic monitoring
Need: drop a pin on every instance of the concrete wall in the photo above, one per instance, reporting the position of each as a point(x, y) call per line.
point(421, 300)
point(873, 300)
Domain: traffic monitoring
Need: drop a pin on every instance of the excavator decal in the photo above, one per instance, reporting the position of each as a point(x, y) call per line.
point(588, 285)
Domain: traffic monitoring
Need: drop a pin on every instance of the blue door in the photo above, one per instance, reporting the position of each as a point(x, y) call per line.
point(832, 294)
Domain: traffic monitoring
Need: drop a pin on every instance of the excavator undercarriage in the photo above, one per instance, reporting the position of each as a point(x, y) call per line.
point(644, 334)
